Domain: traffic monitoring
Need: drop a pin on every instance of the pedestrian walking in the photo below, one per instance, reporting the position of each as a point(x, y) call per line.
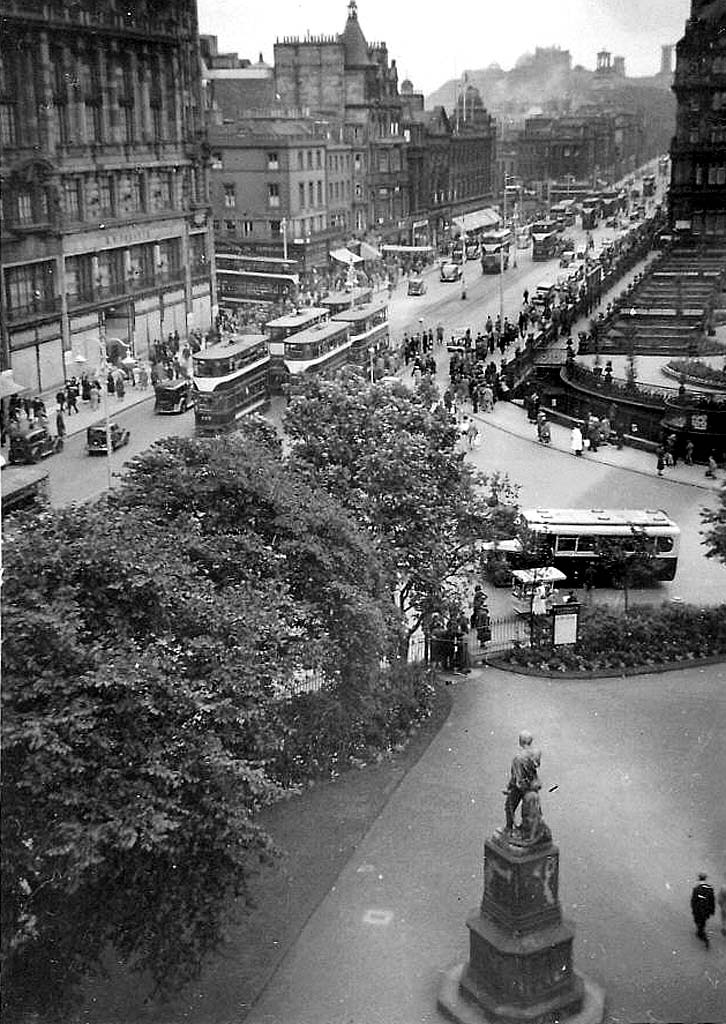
point(72, 396)
point(60, 427)
point(703, 906)
point(576, 440)
point(61, 399)
point(472, 434)
point(712, 466)
point(688, 453)
point(721, 900)
point(660, 460)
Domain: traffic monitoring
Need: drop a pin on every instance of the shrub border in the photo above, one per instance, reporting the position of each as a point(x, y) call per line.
point(496, 661)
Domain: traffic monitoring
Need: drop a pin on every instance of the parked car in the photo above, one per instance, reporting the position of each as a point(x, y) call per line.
point(416, 286)
point(37, 444)
point(96, 438)
point(450, 271)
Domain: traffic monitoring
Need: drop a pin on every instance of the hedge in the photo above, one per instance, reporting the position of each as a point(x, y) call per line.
point(327, 731)
point(647, 635)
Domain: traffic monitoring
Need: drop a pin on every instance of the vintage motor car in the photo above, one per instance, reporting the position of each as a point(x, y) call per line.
point(37, 444)
point(96, 438)
point(174, 396)
point(417, 286)
point(450, 271)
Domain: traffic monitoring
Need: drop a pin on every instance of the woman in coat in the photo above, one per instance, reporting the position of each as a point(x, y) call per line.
point(576, 440)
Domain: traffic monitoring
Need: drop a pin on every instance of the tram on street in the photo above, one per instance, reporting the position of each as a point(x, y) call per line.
point(244, 279)
point(283, 327)
point(368, 328)
point(573, 539)
point(545, 244)
point(495, 245)
point(230, 381)
point(321, 349)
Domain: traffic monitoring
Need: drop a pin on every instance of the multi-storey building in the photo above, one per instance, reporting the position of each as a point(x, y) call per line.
point(349, 82)
point(698, 149)
point(103, 162)
point(584, 145)
point(279, 184)
point(451, 161)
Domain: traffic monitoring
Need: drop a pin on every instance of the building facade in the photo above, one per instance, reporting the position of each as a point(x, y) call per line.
point(451, 161)
point(582, 146)
point(348, 82)
point(280, 184)
point(105, 219)
point(698, 150)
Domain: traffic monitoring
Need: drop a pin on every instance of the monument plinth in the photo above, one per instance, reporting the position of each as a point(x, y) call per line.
point(520, 965)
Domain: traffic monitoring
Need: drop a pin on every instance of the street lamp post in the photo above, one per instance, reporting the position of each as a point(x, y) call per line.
point(104, 389)
point(463, 256)
point(284, 237)
point(501, 256)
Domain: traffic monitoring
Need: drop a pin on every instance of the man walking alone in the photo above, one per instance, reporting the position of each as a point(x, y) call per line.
point(703, 906)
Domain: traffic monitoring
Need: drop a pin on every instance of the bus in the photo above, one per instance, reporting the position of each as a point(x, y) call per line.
point(495, 250)
point(369, 331)
point(564, 213)
point(571, 538)
point(230, 381)
point(245, 279)
point(544, 244)
point(281, 328)
point(590, 213)
point(648, 185)
point(321, 349)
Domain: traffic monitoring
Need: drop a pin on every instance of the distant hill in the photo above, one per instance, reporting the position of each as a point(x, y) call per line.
point(546, 84)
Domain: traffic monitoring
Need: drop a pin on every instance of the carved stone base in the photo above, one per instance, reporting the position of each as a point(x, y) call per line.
point(456, 1004)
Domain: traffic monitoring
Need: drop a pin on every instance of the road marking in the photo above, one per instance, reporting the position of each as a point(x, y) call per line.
point(378, 917)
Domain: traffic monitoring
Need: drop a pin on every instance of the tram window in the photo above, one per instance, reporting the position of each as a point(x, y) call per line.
point(664, 544)
point(567, 543)
point(586, 543)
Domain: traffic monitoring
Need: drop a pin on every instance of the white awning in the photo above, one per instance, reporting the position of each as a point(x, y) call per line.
point(345, 256)
point(476, 220)
point(369, 252)
point(411, 250)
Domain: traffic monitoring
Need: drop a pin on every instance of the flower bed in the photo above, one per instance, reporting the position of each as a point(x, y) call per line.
point(696, 372)
point(613, 641)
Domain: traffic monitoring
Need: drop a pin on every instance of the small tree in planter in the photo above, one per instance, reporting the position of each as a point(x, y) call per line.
point(629, 561)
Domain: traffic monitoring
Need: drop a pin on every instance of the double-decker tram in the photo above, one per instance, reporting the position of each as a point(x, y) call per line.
point(574, 539)
point(544, 243)
point(321, 349)
point(283, 327)
point(369, 331)
point(495, 250)
point(244, 279)
point(230, 381)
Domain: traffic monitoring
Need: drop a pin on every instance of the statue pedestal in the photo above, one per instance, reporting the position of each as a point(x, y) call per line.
point(520, 949)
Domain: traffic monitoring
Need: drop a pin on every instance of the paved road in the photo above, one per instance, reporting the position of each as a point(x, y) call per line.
point(639, 810)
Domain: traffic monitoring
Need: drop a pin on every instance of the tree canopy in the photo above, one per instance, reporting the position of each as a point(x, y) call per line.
point(393, 459)
point(714, 536)
point(148, 638)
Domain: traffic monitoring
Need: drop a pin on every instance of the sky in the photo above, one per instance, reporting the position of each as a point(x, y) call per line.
point(433, 41)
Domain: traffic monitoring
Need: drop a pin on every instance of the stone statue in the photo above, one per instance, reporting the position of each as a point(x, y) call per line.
point(523, 788)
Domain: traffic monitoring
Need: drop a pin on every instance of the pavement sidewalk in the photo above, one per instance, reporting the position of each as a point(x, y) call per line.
point(511, 418)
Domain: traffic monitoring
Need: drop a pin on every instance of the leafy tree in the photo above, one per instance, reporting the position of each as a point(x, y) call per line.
point(714, 537)
point(152, 634)
point(249, 511)
point(628, 561)
point(392, 460)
